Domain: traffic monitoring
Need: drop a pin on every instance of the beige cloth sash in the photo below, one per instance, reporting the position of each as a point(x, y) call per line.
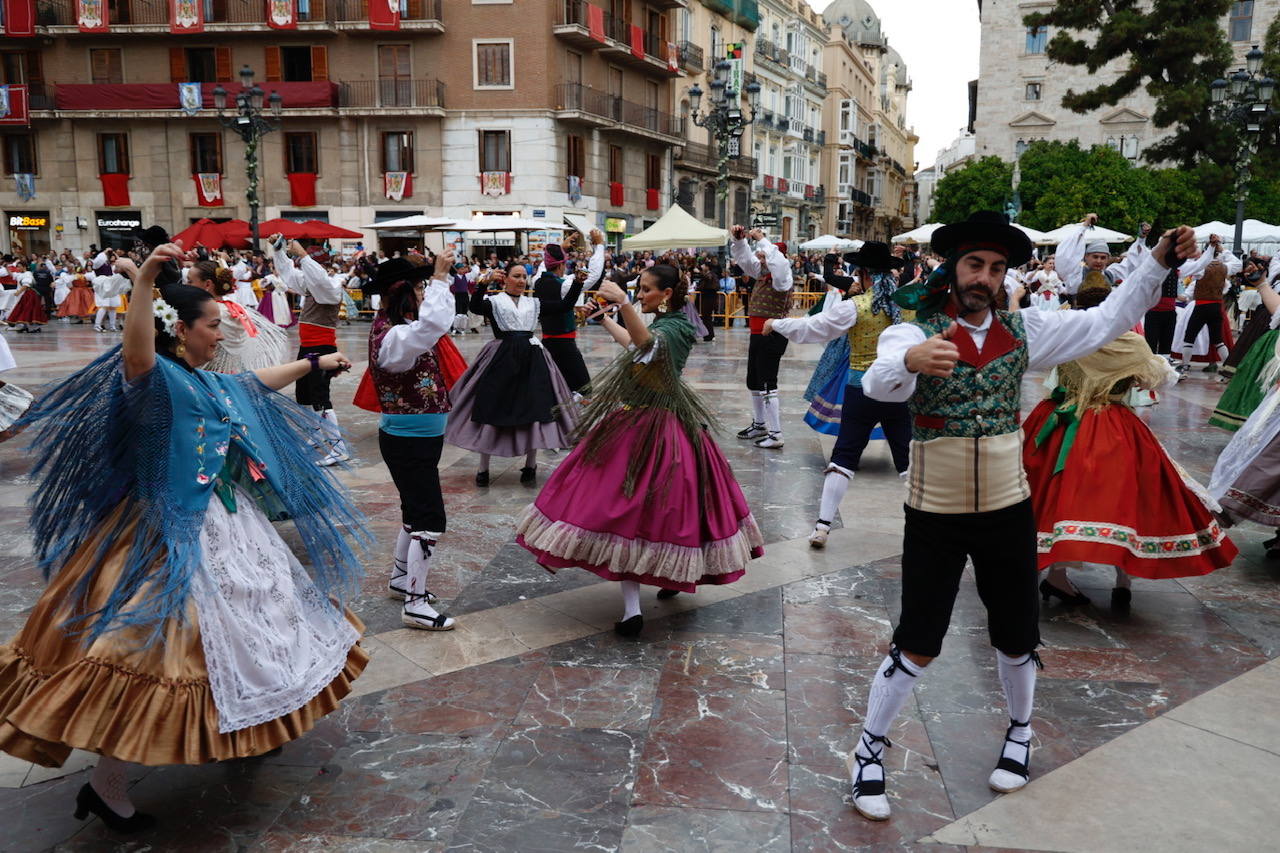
point(957, 475)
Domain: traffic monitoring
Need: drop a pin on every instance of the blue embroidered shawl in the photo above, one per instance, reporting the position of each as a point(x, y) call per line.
point(164, 442)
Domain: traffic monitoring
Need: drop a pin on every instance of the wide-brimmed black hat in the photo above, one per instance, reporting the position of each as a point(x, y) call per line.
point(986, 229)
point(874, 256)
point(398, 269)
point(151, 237)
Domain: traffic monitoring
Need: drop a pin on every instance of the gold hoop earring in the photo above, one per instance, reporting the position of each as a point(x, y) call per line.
point(182, 348)
point(664, 307)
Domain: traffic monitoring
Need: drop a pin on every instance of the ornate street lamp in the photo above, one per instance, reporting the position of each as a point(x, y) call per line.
point(1244, 101)
point(725, 121)
point(249, 122)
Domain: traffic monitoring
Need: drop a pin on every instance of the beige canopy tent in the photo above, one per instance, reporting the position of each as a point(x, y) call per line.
point(675, 230)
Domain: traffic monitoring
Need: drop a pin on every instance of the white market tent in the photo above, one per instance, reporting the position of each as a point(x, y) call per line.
point(497, 223)
point(1035, 236)
point(829, 243)
point(676, 229)
point(1097, 232)
point(1254, 231)
point(918, 235)
point(411, 223)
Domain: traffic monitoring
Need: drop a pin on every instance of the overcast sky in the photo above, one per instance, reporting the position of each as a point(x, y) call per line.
point(939, 40)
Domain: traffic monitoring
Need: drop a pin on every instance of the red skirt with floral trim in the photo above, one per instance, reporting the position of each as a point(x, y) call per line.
point(1120, 500)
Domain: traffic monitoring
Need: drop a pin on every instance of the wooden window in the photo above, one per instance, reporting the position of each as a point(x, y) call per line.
point(1241, 21)
point(301, 152)
point(200, 65)
point(20, 154)
point(20, 67)
point(395, 82)
point(296, 64)
point(106, 65)
point(615, 164)
point(206, 153)
point(113, 154)
point(397, 151)
point(493, 64)
point(495, 151)
point(615, 81)
point(577, 156)
point(653, 172)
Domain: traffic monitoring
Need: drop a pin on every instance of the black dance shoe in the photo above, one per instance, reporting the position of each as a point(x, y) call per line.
point(1047, 590)
point(528, 475)
point(88, 801)
point(629, 627)
point(482, 478)
point(664, 594)
point(1120, 598)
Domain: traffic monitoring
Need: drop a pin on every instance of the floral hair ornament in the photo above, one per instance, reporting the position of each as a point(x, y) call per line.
point(166, 314)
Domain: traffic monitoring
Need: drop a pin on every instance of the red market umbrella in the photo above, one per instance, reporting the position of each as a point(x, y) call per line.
point(204, 232)
point(287, 227)
point(317, 230)
point(235, 233)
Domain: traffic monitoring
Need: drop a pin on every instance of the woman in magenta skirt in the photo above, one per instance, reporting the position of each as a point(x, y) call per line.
point(646, 497)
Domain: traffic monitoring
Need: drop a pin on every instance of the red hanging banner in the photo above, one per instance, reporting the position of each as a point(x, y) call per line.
point(115, 190)
point(208, 189)
point(19, 18)
point(651, 199)
point(15, 105)
point(186, 16)
point(615, 194)
point(302, 189)
point(397, 185)
point(384, 14)
point(92, 16)
point(637, 42)
point(595, 21)
point(282, 14)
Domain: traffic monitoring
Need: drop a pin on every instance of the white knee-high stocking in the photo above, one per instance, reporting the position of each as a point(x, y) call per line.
point(757, 407)
point(772, 413)
point(834, 487)
point(630, 599)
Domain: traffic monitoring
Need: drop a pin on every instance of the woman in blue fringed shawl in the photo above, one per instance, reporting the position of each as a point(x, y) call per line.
point(177, 627)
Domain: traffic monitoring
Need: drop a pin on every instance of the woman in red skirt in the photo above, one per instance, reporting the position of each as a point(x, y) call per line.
point(28, 313)
point(1104, 489)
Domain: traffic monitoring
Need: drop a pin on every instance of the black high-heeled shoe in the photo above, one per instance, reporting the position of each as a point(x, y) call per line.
point(528, 475)
point(88, 801)
point(482, 478)
point(664, 594)
point(629, 627)
point(1048, 590)
point(1120, 598)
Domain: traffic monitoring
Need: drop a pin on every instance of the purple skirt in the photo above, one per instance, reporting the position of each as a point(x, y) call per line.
point(672, 532)
point(692, 315)
point(507, 441)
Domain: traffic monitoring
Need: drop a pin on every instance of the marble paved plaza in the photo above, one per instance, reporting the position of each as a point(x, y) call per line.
point(728, 724)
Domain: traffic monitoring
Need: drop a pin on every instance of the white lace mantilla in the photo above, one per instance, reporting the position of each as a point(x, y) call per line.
point(513, 316)
point(271, 640)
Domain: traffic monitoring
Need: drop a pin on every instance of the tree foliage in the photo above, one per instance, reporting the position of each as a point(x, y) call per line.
point(980, 185)
point(1061, 182)
point(1173, 48)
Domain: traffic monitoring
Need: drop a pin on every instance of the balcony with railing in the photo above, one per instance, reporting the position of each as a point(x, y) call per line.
point(864, 149)
point(576, 102)
point(859, 197)
point(637, 48)
point(704, 158)
point(152, 16)
point(403, 96)
point(690, 56)
point(573, 24)
point(160, 100)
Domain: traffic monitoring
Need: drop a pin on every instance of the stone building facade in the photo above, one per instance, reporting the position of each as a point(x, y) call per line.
point(1020, 91)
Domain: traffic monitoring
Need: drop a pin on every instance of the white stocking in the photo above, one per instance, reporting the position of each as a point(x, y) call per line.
point(834, 487)
point(109, 782)
point(1223, 352)
point(773, 412)
point(630, 599)
point(421, 545)
point(1018, 677)
point(757, 407)
point(99, 317)
point(1186, 353)
point(335, 436)
point(890, 690)
point(402, 551)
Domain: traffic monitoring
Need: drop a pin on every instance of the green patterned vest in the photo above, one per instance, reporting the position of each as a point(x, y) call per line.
point(767, 302)
point(981, 397)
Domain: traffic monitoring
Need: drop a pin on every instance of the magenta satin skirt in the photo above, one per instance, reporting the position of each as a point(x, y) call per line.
point(675, 535)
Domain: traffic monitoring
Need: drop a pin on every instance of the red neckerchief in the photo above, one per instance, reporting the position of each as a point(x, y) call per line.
point(999, 341)
point(236, 310)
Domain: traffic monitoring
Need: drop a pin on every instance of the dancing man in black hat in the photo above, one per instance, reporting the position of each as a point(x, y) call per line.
point(959, 367)
point(863, 317)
